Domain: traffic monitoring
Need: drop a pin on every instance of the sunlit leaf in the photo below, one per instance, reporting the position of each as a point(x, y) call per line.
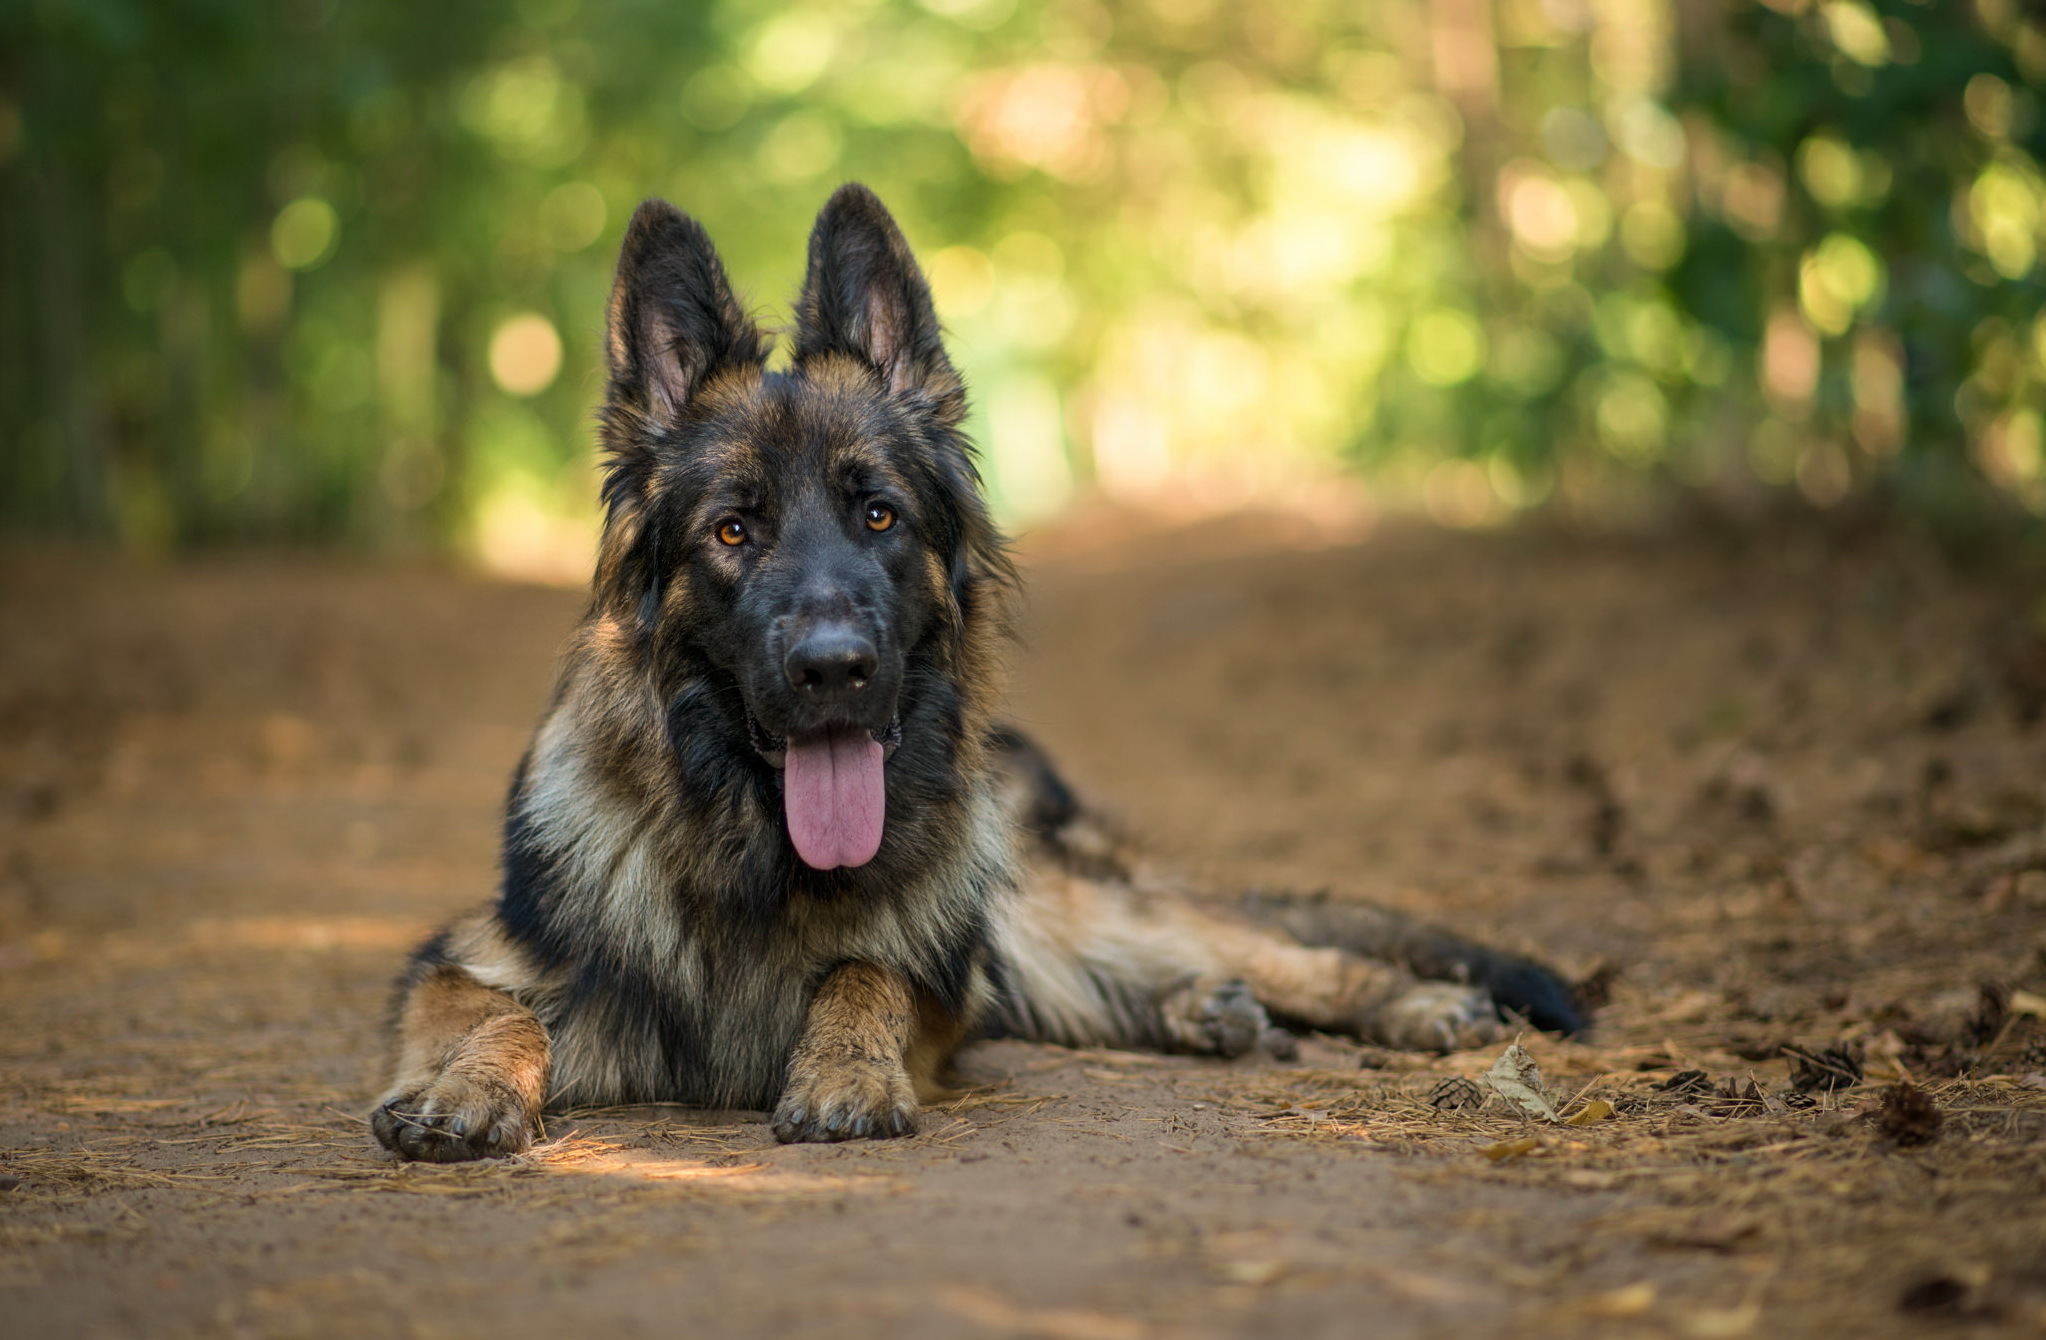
point(1516, 1077)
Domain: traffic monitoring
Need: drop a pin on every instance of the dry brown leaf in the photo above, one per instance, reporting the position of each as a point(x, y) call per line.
point(1251, 1272)
point(1630, 1301)
point(1722, 1323)
point(1590, 1114)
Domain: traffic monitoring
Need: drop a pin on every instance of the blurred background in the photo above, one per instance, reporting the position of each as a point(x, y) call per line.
point(335, 272)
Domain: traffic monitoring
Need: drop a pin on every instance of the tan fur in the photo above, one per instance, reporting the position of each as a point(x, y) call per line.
point(656, 938)
point(1071, 935)
point(847, 1078)
point(471, 1057)
point(929, 1058)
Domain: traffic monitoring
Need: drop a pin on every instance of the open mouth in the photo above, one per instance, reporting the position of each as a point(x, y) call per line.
point(834, 794)
point(774, 748)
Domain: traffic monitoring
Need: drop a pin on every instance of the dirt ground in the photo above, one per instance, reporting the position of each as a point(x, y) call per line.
point(1780, 802)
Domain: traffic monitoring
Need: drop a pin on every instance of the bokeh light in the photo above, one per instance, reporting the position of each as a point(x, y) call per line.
point(304, 233)
point(1463, 259)
point(525, 354)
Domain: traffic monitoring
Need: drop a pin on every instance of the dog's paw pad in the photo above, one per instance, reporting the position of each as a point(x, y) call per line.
point(452, 1120)
point(851, 1101)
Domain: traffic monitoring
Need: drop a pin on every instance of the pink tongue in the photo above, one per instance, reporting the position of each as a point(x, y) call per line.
point(835, 798)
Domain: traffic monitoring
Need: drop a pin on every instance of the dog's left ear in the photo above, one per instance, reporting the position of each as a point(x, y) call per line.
point(865, 297)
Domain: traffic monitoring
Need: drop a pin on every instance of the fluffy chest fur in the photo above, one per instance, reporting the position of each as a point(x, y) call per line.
point(673, 941)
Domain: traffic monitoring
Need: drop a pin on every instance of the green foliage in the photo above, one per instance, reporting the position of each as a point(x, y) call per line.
point(326, 271)
point(1873, 179)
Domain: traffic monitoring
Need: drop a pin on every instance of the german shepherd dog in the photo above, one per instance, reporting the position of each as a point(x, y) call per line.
point(769, 848)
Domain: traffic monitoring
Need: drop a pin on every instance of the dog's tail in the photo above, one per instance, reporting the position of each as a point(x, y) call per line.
point(1516, 983)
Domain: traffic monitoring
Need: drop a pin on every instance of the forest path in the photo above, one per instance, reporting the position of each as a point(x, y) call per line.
point(1770, 789)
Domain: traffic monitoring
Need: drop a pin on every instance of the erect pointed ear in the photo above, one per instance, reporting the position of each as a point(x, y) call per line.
point(864, 296)
point(673, 319)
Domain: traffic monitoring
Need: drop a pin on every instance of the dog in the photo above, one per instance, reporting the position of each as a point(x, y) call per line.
point(770, 847)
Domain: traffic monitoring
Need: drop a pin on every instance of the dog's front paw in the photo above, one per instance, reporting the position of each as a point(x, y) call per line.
point(846, 1100)
point(453, 1119)
point(1434, 1017)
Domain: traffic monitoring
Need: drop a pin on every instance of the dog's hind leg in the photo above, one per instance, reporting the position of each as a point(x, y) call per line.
point(1103, 948)
point(849, 1076)
point(1104, 962)
point(472, 1071)
point(1514, 981)
point(1339, 992)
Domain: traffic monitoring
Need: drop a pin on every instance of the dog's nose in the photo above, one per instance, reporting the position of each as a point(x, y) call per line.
point(830, 662)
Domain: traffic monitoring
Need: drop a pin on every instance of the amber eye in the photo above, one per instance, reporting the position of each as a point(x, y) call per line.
point(880, 516)
point(732, 532)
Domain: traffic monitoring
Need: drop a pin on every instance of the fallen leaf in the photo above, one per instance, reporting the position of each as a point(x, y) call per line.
point(1517, 1078)
point(1631, 1301)
point(1722, 1323)
point(1510, 1149)
point(1251, 1272)
point(1590, 1114)
point(2024, 1002)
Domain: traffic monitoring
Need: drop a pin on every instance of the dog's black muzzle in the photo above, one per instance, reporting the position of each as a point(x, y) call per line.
point(831, 663)
point(832, 676)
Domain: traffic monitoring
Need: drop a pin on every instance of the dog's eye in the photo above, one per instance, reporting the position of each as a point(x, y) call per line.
point(731, 532)
point(880, 516)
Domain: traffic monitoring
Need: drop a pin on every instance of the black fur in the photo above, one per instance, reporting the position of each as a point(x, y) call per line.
point(1515, 983)
point(707, 643)
point(794, 558)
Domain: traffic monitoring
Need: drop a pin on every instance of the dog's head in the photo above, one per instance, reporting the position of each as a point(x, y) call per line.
point(813, 539)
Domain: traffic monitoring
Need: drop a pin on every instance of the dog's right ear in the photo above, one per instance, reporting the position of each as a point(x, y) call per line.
point(673, 324)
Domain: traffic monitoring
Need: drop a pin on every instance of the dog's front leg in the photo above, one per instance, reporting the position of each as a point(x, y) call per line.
point(472, 1072)
point(847, 1077)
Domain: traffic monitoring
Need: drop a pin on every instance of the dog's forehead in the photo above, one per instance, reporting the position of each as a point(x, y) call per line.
point(830, 419)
